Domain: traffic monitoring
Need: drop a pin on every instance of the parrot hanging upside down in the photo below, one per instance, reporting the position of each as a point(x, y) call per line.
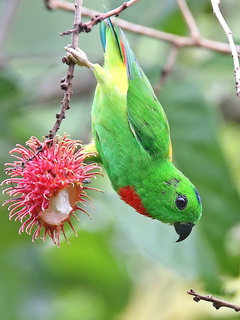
point(131, 136)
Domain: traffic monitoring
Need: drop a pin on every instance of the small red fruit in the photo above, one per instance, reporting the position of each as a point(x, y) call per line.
point(46, 184)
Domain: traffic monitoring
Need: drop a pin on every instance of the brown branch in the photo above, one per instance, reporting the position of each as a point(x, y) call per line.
point(217, 303)
point(176, 40)
point(87, 27)
point(189, 19)
point(217, 12)
point(167, 69)
point(66, 82)
point(58, 4)
point(195, 39)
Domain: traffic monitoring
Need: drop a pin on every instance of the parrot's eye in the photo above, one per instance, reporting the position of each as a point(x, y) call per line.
point(181, 202)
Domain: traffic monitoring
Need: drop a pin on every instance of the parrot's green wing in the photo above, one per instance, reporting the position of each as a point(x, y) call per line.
point(147, 119)
point(146, 116)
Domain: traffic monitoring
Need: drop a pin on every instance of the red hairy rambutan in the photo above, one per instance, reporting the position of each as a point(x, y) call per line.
point(47, 182)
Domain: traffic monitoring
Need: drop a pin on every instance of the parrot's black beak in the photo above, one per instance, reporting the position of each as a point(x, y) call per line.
point(183, 229)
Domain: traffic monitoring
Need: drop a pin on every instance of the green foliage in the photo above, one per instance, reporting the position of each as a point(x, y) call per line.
point(198, 152)
point(123, 265)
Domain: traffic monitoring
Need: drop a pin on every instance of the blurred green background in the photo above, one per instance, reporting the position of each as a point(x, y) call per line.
point(123, 266)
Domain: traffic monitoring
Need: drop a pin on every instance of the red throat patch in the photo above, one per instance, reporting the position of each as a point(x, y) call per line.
point(129, 195)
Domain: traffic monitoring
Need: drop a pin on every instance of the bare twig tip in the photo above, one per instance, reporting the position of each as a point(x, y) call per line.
point(217, 303)
point(223, 23)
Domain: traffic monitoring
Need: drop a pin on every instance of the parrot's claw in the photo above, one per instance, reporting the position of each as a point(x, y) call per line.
point(78, 57)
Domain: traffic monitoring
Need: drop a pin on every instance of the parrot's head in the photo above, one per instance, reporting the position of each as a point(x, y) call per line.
point(169, 196)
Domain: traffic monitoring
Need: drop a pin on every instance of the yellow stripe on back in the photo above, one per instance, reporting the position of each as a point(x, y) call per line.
point(114, 64)
point(118, 76)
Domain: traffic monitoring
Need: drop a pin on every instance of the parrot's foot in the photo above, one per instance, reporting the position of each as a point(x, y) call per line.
point(78, 57)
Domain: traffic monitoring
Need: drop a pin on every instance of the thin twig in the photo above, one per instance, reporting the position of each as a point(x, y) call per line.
point(217, 12)
point(87, 27)
point(167, 69)
point(188, 17)
point(179, 41)
point(58, 4)
point(66, 82)
point(217, 303)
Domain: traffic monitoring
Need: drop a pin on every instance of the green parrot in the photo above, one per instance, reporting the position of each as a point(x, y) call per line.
point(132, 138)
